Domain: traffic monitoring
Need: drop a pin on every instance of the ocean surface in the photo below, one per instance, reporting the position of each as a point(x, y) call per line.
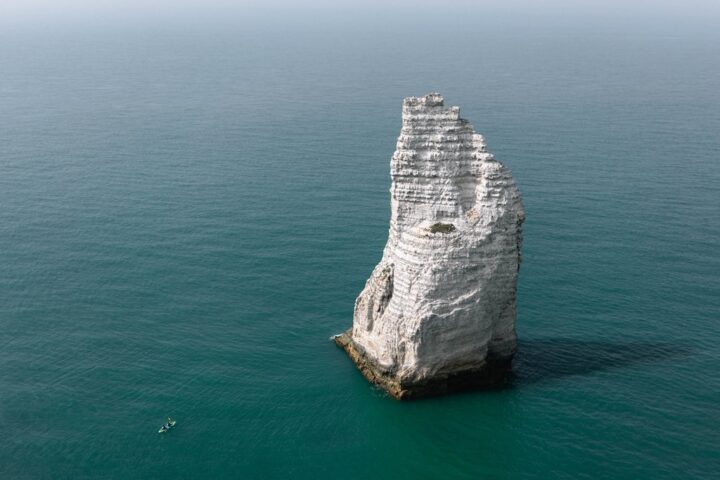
point(186, 217)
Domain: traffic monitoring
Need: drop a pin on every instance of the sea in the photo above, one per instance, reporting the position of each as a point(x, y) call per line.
point(188, 212)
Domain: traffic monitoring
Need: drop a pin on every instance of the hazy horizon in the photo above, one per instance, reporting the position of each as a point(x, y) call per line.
point(665, 17)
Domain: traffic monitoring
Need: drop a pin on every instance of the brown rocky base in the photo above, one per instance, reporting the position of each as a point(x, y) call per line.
point(494, 374)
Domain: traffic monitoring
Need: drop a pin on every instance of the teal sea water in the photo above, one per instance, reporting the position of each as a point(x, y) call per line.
point(186, 217)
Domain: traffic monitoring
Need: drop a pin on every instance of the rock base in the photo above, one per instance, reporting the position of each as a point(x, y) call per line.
point(494, 374)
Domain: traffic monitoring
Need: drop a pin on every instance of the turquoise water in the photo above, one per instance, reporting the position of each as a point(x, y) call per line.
point(187, 216)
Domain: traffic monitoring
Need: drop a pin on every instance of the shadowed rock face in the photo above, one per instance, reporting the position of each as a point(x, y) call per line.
point(438, 312)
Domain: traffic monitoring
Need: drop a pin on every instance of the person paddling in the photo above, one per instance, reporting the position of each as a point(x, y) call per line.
point(168, 425)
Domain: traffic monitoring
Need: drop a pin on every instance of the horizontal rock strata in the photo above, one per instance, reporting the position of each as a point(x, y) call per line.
point(437, 314)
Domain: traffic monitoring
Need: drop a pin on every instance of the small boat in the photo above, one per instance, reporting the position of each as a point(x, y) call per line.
point(168, 425)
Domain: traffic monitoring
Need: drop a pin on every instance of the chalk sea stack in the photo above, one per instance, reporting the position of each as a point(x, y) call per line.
point(437, 314)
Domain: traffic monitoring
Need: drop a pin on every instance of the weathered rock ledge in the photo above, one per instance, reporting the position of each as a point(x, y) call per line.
point(494, 374)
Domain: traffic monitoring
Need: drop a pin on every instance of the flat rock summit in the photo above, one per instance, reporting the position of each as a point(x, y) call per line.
point(437, 314)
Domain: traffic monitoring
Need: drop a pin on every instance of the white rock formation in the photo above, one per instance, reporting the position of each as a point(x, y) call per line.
point(440, 306)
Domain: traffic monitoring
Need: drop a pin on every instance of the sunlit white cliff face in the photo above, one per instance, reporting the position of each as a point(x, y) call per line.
point(441, 302)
